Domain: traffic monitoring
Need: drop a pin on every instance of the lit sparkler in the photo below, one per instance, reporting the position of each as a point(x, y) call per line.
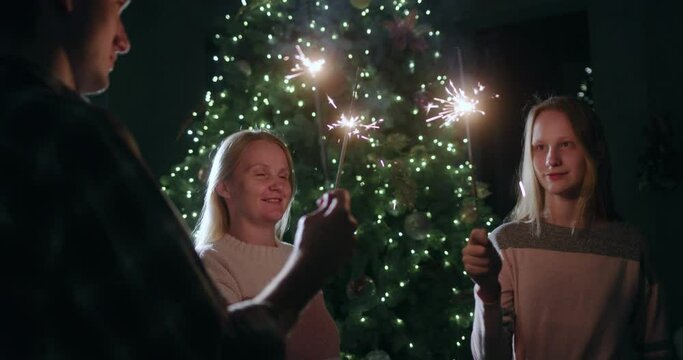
point(457, 105)
point(353, 127)
point(304, 65)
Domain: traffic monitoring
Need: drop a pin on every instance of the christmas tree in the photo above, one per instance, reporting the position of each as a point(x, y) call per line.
point(298, 67)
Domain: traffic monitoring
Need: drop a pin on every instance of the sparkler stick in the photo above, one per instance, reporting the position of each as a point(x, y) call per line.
point(345, 142)
point(342, 156)
point(354, 128)
point(321, 142)
point(475, 193)
point(458, 105)
point(313, 67)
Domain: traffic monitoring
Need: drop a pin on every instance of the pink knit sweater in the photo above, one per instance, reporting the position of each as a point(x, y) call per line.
point(589, 295)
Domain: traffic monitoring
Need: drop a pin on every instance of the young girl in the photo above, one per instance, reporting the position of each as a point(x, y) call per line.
point(573, 283)
point(238, 237)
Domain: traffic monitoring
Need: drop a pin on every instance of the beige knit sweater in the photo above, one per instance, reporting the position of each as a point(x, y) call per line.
point(241, 270)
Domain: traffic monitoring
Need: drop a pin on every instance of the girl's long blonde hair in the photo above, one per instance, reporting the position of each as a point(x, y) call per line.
point(214, 220)
point(595, 197)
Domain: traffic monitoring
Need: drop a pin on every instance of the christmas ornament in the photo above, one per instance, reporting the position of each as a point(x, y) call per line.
point(468, 213)
point(417, 225)
point(422, 99)
point(405, 34)
point(203, 174)
point(360, 4)
point(405, 188)
point(395, 144)
point(361, 287)
point(483, 190)
point(244, 67)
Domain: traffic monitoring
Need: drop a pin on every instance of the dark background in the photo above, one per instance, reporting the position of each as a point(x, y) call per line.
point(519, 49)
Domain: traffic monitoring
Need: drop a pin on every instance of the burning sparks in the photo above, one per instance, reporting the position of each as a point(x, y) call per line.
point(457, 105)
point(354, 127)
point(331, 102)
point(305, 64)
point(430, 106)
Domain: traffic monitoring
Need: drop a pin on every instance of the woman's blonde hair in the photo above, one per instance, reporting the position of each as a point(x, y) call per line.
point(595, 197)
point(214, 220)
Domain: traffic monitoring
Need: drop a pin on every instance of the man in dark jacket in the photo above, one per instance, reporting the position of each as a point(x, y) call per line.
point(95, 262)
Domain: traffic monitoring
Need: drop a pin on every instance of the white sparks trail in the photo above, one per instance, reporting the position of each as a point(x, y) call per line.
point(305, 64)
point(457, 105)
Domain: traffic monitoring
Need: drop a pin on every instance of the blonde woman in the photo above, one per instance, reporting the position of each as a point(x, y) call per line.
point(245, 213)
point(573, 282)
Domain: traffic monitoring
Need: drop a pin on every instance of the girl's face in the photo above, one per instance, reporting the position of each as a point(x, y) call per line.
point(259, 190)
point(558, 156)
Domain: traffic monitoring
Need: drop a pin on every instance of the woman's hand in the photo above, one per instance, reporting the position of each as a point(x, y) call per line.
point(482, 264)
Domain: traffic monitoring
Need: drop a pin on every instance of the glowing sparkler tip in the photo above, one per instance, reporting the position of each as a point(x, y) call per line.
point(354, 126)
point(315, 66)
point(456, 105)
point(305, 64)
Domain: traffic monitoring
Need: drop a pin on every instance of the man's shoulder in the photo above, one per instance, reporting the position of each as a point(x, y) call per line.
point(35, 106)
point(31, 100)
point(35, 116)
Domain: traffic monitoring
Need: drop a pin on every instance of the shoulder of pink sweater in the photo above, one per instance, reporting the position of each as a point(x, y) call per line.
point(611, 239)
point(500, 235)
